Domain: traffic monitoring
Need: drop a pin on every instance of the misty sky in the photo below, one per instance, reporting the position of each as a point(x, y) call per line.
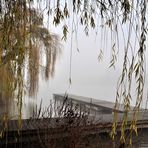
point(90, 77)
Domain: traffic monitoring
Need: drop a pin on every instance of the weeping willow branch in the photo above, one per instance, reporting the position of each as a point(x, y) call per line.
point(22, 38)
point(22, 31)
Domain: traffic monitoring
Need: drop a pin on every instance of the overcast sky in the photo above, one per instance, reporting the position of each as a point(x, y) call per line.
point(90, 77)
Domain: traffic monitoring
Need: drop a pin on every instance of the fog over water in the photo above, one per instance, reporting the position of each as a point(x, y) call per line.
point(90, 77)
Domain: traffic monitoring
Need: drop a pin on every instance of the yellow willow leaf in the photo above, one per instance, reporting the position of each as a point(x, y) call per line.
point(130, 141)
point(1, 134)
point(135, 129)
